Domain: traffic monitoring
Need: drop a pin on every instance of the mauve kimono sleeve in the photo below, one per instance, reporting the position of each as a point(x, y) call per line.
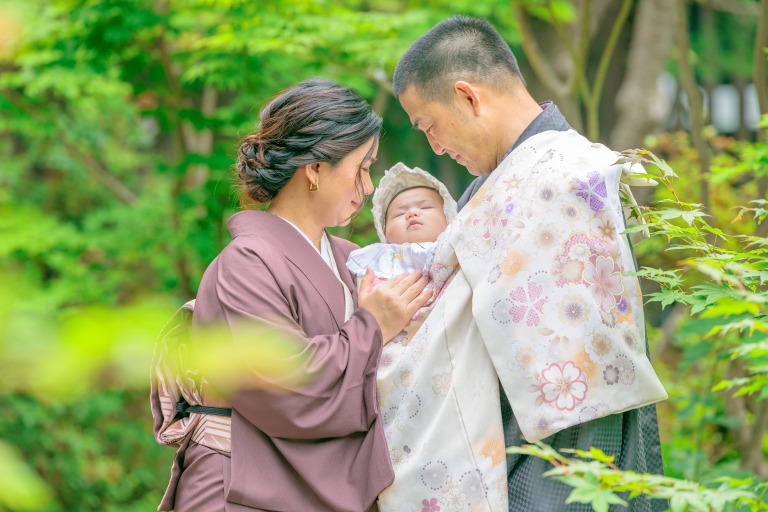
point(340, 396)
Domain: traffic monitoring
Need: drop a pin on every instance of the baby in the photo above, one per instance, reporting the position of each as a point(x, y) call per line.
point(411, 208)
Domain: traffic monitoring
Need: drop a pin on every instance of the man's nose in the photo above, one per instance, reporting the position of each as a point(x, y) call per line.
point(437, 148)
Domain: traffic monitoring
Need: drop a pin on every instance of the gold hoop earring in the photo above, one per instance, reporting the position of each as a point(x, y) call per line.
point(316, 186)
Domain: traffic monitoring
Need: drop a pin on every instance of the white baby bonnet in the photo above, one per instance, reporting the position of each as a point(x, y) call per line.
point(400, 177)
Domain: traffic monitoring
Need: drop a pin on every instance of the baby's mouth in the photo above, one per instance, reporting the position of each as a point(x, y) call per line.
point(414, 223)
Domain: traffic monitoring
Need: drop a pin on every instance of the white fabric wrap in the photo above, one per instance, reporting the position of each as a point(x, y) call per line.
point(532, 296)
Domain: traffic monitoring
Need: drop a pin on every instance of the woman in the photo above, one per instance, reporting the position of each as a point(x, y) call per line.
point(319, 446)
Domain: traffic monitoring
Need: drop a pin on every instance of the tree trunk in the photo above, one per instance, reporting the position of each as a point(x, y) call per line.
point(639, 107)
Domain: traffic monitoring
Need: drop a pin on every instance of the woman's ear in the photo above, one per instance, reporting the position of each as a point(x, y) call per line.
point(312, 172)
point(467, 94)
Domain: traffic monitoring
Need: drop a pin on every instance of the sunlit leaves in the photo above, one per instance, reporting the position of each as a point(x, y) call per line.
point(21, 488)
point(597, 481)
point(721, 278)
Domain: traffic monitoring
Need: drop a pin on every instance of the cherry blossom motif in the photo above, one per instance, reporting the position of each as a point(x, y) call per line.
point(593, 191)
point(490, 218)
point(527, 304)
point(604, 281)
point(430, 505)
point(563, 385)
point(568, 266)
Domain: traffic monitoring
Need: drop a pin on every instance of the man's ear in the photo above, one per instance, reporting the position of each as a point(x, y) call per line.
point(467, 94)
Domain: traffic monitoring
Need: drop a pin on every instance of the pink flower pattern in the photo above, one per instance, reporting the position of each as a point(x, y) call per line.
point(430, 505)
point(603, 279)
point(491, 217)
point(564, 386)
point(527, 304)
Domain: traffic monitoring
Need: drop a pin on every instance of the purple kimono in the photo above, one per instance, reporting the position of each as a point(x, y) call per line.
point(320, 446)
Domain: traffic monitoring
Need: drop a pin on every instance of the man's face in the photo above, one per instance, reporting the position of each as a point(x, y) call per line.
point(451, 128)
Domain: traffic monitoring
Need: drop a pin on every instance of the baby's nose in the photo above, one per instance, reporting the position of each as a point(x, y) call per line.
point(412, 213)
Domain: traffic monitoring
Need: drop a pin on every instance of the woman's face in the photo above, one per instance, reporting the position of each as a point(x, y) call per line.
point(339, 194)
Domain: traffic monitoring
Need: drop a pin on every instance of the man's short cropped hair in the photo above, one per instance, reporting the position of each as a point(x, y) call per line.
point(458, 48)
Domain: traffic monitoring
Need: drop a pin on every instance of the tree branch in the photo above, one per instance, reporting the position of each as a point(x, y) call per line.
point(754, 458)
point(578, 79)
point(97, 170)
point(535, 56)
point(693, 93)
point(582, 43)
point(593, 122)
point(179, 145)
point(561, 32)
point(91, 164)
point(761, 41)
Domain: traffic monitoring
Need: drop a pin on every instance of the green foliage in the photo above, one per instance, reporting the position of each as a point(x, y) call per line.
point(92, 454)
point(724, 276)
point(597, 481)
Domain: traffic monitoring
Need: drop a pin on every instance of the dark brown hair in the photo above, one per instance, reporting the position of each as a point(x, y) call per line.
point(316, 120)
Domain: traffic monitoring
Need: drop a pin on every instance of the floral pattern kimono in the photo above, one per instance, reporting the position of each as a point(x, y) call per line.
point(532, 296)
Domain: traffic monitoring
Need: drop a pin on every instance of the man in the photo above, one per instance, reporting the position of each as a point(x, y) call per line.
point(460, 84)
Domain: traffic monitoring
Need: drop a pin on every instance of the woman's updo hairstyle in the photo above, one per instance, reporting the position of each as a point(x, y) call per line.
point(316, 120)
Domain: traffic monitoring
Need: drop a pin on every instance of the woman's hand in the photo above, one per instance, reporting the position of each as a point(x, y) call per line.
point(393, 302)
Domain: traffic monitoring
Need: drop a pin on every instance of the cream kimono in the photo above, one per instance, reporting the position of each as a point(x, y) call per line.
point(533, 297)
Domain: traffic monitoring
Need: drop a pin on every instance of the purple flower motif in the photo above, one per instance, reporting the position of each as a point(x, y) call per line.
point(593, 192)
point(622, 306)
point(430, 505)
point(509, 208)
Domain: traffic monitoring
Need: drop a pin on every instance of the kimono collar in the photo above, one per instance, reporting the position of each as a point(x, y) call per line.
point(294, 247)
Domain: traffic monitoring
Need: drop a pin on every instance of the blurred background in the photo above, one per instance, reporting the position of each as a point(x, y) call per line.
point(119, 123)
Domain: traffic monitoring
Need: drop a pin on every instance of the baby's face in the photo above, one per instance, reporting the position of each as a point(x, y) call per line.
point(415, 215)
